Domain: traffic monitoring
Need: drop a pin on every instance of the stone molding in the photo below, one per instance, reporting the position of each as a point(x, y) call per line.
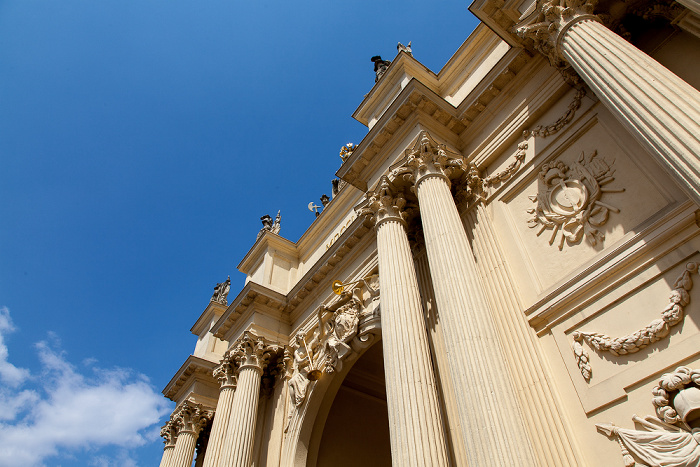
point(194, 368)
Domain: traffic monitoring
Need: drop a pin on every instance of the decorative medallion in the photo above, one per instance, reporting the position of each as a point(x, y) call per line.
point(569, 200)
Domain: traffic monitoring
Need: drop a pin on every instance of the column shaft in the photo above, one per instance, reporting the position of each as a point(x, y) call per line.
point(417, 435)
point(241, 425)
point(219, 426)
point(167, 455)
point(183, 454)
point(492, 427)
point(658, 108)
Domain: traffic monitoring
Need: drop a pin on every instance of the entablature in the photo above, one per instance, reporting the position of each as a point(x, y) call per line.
point(266, 299)
point(195, 373)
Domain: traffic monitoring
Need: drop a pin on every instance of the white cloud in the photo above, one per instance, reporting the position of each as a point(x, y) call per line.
point(69, 410)
point(9, 374)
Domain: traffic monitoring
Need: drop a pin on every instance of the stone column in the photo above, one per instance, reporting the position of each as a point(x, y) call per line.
point(492, 428)
point(169, 432)
point(190, 418)
point(657, 107)
point(226, 374)
point(251, 354)
point(416, 431)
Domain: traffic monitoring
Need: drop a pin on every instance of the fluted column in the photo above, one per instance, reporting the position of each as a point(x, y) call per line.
point(416, 432)
point(169, 432)
point(251, 354)
point(492, 428)
point(657, 107)
point(190, 419)
point(226, 374)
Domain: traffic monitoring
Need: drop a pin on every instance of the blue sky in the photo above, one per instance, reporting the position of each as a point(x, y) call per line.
point(140, 142)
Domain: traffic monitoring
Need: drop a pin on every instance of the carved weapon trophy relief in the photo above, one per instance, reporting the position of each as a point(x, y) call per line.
point(672, 439)
point(569, 200)
point(653, 332)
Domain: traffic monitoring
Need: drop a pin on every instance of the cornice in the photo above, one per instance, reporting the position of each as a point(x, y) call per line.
point(204, 320)
point(402, 67)
point(416, 97)
point(194, 368)
point(321, 268)
point(251, 293)
point(267, 240)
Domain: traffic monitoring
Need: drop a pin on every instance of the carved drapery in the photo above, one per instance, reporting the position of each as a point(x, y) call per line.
point(672, 439)
point(416, 432)
point(492, 426)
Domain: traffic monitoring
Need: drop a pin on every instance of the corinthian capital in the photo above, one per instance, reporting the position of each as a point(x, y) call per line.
point(227, 371)
point(169, 432)
point(253, 351)
point(191, 417)
point(547, 25)
point(385, 202)
point(427, 158)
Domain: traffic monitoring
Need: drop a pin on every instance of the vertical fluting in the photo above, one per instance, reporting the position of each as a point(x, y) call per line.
point(219, 426)
point(167, 455)
point(439, 353)
point(491, 420)
point(546, 426)
point(241, 425)
point(183, 454)
point(657, 107)
point(417, 436)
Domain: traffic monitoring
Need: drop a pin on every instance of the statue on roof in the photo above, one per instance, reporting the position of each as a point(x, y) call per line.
point(221, 292)
point(269, 225)
point(405, 48)
point(380, 67)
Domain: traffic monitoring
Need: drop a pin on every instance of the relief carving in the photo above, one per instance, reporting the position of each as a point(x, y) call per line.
point(569, 200)
point(672, 439)
point(354, 320)
point(653, 332)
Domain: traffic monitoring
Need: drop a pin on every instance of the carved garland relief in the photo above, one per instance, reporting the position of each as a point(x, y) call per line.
point(653, 332)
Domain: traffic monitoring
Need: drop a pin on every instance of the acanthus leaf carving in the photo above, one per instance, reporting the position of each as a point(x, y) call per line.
point(658, 329)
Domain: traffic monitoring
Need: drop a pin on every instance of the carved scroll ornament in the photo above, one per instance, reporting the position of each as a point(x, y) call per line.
point(653, 332)
point(672, 439)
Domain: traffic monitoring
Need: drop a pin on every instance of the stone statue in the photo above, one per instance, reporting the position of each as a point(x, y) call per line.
point(325, 200)
point(405, 48)
point(380, 67)
point(269, 225)
point(342, 329)
point(221, 292)
point(335, 182)
point(300, 370)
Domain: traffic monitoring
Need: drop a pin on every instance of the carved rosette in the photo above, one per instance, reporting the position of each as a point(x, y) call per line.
point(191, 417)
point(252, 351)
point(226, 372)
point(550, 21)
